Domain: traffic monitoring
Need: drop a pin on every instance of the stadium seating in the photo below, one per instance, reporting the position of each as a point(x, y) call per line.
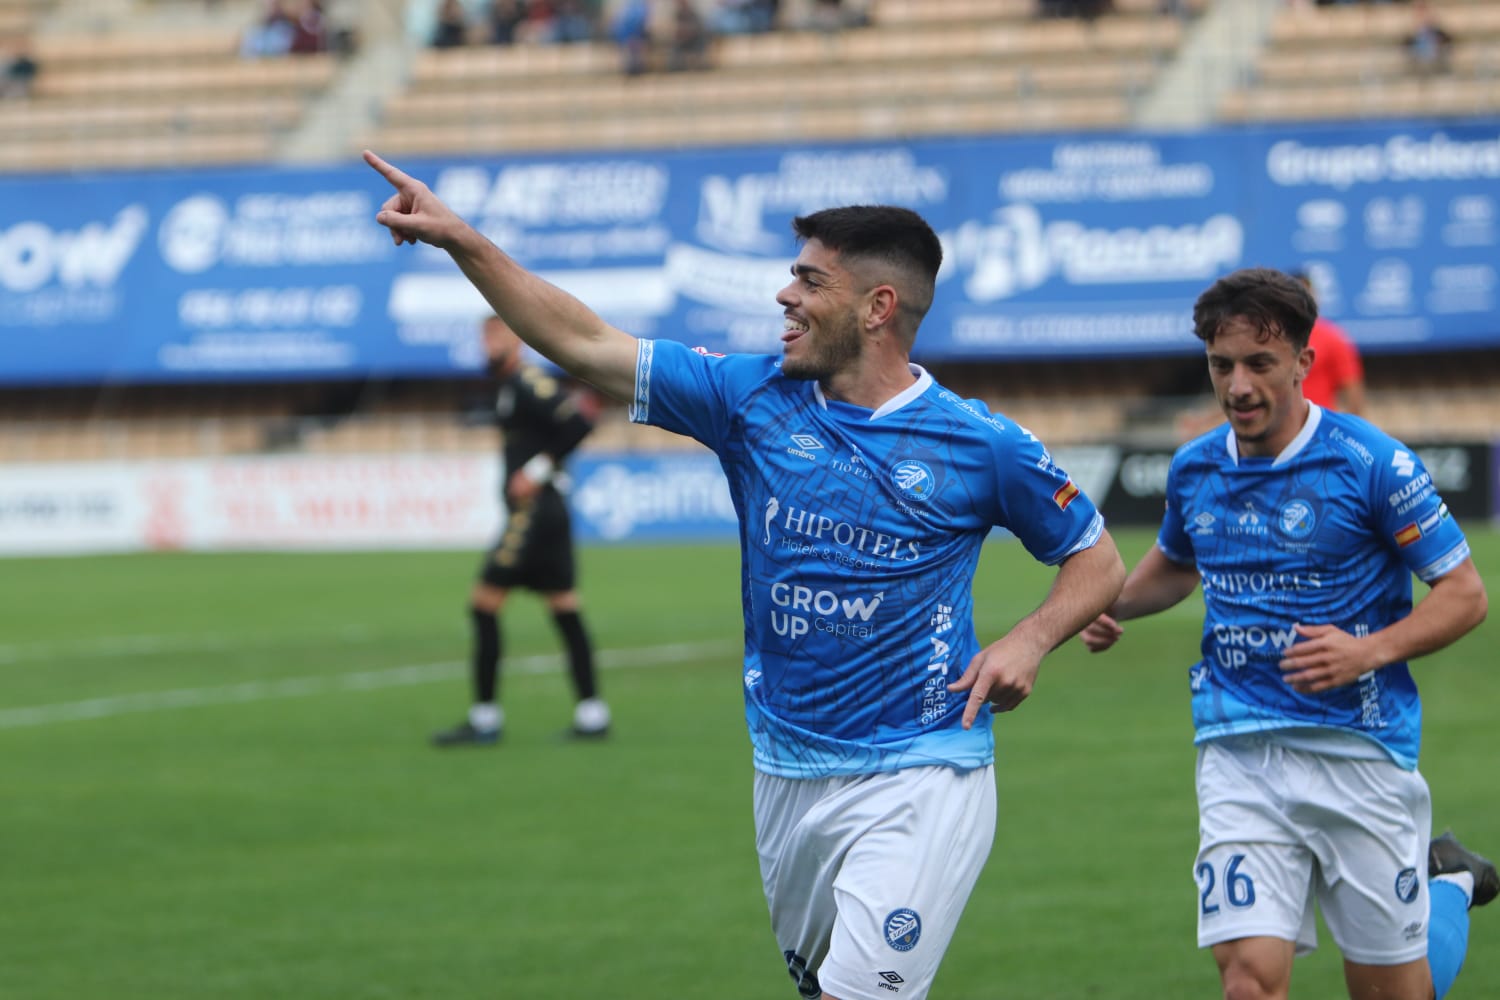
point(142, 96)
point(19, 17)
point(920, 68)
point(1350, 61)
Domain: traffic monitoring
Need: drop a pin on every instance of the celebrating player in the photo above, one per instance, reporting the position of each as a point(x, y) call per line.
point(1304, 527)
point(865, 491)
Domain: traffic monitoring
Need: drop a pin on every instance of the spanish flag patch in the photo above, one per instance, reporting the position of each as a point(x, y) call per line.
point(1064, 495)
point(1405, 536)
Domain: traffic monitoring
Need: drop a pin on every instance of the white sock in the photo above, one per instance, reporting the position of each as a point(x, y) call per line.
point(1464, 880)
point(591, 715)
point(486, 717)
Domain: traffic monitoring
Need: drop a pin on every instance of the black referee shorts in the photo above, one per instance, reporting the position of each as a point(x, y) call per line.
point(536, 549)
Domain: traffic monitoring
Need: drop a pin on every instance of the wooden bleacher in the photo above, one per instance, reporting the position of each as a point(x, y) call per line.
point(1350, 62)
point(133, 98)
point(922, 67)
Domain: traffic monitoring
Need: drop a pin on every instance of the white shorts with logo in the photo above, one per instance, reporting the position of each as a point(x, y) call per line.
point(1282, 828)
point(866, 875)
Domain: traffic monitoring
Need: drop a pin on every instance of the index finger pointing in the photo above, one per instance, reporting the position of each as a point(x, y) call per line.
point(976, 701)
point(390, 173)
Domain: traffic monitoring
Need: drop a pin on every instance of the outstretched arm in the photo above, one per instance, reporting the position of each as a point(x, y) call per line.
point(1004, 672)
point(549, 319)
point(1156, 584)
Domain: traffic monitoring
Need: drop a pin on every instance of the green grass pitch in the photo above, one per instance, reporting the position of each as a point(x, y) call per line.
point(215, 783)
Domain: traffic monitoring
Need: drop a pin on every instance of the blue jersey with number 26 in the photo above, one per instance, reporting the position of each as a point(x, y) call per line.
point(1327, 533)
point(860, 532)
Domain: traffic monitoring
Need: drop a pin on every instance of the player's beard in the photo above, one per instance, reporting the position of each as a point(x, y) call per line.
point(830, 350)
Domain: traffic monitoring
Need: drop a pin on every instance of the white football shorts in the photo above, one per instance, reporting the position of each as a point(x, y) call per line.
point(1282, 828)
point(866, 875)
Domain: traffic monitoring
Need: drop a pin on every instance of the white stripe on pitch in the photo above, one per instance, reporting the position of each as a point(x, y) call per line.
point(113, 646)
point(303, 687)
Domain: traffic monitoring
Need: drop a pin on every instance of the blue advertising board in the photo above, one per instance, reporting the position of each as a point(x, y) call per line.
point(1081, 245)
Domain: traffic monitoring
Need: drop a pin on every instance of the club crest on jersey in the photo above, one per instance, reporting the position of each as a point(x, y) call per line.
point(914, 480)
point(1065, 494)
point(1297, 519)
point(903, 928)
point(1407, 885)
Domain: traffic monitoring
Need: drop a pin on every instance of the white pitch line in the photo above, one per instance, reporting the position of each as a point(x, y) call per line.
point(303, 687)
point(120, 646)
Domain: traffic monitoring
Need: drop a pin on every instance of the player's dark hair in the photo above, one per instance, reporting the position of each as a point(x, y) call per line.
point(886, 234)
point(1275, 303)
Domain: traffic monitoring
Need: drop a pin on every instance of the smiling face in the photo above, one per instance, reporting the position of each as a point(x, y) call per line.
point(822, 334)
point(1257, 378)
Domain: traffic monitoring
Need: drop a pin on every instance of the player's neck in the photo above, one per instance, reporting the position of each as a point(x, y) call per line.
point(1273, 446)
point(869, 385)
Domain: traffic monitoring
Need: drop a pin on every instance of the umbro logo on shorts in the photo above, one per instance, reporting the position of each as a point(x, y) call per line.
point(892, 982)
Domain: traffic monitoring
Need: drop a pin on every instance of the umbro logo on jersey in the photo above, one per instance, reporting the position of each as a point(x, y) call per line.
point(1205, 523)
point(1404, 464)
point(803, 446)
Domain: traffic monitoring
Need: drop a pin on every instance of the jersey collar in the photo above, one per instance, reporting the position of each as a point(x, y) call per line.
point(900, 399)
point(1293, 448)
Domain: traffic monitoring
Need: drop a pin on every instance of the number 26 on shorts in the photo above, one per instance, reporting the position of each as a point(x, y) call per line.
point(1234, 887)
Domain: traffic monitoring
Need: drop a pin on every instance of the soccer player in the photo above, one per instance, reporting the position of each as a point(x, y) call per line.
point(542, 424)
point(1304, 527)
point(865, 491)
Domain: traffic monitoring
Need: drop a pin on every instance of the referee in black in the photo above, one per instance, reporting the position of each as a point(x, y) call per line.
point(541, 423)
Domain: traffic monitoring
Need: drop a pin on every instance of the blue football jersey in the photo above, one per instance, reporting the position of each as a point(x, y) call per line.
point(860, 532)
point(1327, 533)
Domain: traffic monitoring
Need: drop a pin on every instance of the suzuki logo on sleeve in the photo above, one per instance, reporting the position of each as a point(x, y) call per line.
point(1404, 464)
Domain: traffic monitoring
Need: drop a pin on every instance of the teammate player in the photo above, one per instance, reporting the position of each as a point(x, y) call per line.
point(865, 491)
point(1304, 527)
point(542, 424)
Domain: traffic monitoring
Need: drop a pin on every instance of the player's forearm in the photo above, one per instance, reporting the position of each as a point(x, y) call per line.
point(1155, 585)
point(1456, 605)
point(1086, 584)
point(557, 325)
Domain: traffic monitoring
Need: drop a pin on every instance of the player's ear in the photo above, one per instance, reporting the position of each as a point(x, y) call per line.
point(882, 303)
point(1305, 362)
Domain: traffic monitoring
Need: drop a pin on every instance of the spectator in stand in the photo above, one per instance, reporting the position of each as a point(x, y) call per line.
point(690, 38)
point(1087, 10)
point(452, 28)
point(1429, 45)
point(835, 15)
point(1336, 380)
point(745, 17)
point(310, 31)
point(273, 34)
point(631, 31)
point(18, 68)
point(503, 21)
point(575, 23)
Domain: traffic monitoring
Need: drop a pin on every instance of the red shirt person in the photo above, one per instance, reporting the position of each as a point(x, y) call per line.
point(1337, 377)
